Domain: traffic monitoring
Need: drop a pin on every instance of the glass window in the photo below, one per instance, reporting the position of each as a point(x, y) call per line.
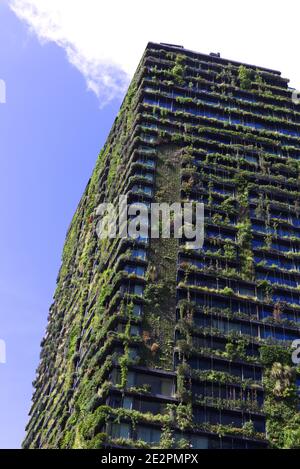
point(135, 269)
point(167, 387)
point(141, 188)
point(121, 430)
point(137, 310)
point(148, 406)
point(130, 379)
point(138, 253)
point(133, 353)
point(138, 289)
point(147, 434)
point(127, 402)
point(213, 443)
point(157, 385)
point(199, 442)
point(134, 330)
point(115, 401)
point(115, 376)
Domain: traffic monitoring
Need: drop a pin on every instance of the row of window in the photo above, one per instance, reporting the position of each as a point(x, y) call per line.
point(237, 306)
point(220, 283)
point(279, 278)
point(227, 392)
point(172, 106)
point(263, 331)
point(243, 372)
point(275, 197)
point(136, 403)
point(219, 188)
point(217, 138)
point(219, 343)
point(291, 297)
point(280, 262)
point(152, 436)
point(278, 245)
point(201, 414)
point(280, 215)
point(224, 417)
point(216, 100)
point(159, 385)
point(155, 384)
point(280, 231)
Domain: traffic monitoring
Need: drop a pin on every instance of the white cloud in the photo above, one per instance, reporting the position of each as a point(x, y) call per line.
point(105, 39)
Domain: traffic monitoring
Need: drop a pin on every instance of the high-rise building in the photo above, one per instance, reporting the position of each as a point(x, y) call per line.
point(150, 343)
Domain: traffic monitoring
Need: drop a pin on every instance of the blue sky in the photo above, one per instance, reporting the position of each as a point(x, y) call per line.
point(51, 130)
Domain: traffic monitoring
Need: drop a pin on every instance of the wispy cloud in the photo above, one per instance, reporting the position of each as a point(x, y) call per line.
point(82, 35)
point(104, 39)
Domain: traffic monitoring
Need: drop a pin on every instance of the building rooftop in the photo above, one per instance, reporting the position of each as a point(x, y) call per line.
point(216, 57)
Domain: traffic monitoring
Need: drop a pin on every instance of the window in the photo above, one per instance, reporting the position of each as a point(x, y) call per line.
point(127, 402)
point(141, 188)
point(166, 387)
point(246, 291)
point(146, 406)
point(137, 310)
point(146, 162)
point(133, 353)
point(138, 253)
point(250, 159)
point(115, 376)
point(115, 401)
point(147, 434)
point(121, 430)
point(134, 330)
point(138, 289)
point(135, 289)
point(199, 442)
point(135, 269)
point(244, 371)
point(156, 384)
point(130, 379)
